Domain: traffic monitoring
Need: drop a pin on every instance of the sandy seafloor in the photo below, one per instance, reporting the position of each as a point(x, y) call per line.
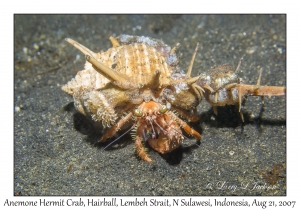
point(54, 147)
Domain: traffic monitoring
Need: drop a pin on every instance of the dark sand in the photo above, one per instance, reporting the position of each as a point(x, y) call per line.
point(54, 150)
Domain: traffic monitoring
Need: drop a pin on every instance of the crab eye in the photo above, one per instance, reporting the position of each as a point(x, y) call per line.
point(137, 113)
point(163, 109)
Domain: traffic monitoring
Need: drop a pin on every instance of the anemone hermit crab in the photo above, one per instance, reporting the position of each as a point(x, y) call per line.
point(138, 76)
point(138, 82)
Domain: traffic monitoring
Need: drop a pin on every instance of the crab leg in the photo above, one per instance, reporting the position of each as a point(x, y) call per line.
point(184, 125)
point(139, 147)
point(188, 116)
point(114, 129)
point(198, 90)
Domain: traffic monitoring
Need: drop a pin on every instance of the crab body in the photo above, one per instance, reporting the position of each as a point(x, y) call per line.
point(138, 76)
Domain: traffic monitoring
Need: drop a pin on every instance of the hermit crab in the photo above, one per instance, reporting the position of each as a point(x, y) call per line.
point(138, 84)
point(137, 81)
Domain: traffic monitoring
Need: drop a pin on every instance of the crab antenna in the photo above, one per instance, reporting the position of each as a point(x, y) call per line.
point(80, 47)
point(153, 134)
point(154, 82)
point(117, 138)
point(189, 71)
point(164, 131)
